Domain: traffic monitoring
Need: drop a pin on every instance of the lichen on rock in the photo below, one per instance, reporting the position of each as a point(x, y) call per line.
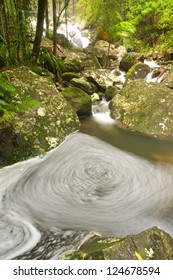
point(30, 132)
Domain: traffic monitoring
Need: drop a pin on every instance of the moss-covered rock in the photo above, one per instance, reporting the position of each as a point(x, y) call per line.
point(110, 92)
point(90, 88)
point(79, 60)
point(68, 76)
point(151, 244)
point(168, 80)
point(127, 62)
point(41, 128)
point(79, 100)
point(146, 107)
point(138, 71)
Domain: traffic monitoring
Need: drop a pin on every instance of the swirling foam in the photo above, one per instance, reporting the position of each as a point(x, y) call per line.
point(86, 184)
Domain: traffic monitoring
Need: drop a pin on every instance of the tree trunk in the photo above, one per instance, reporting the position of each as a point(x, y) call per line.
point(39, 29)
point(54, 26)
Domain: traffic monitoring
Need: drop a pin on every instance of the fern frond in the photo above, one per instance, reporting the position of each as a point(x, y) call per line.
point(27, 104)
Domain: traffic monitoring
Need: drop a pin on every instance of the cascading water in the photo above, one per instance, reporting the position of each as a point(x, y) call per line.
point(101, 111)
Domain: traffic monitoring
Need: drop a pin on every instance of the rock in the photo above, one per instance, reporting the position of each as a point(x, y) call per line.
point(101, 49)
point(80, 60)
point(110, 92)
point(151, 244)
point(99, 77)
point(90, 88)
point(41, 128)
point(126, 63)
point(146, 107)
point(138, 71)
point(68, 76)
point(129, 59)
point(168, 80)
point(78, 99)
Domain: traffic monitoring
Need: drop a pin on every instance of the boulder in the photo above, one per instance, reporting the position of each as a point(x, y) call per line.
point(129, 59)
point(80, 60)
point(146, 107)
point(90, 88)
point(151, 244)
point(99, 77)
point(38, 129)
point(110, 92)
point(78, 99)
point(68, 76)
point(168, 80)
point(138, 71)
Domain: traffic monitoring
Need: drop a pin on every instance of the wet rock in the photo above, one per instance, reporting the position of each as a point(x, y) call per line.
point(78, 99)
point(146, 107)
point(151, 244)
point(39, 129)
point(138, 71)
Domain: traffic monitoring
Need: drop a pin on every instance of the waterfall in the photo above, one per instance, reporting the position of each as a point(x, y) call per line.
point(101, 112)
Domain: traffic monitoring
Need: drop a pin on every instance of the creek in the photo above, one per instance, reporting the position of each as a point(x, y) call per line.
point(102, 179)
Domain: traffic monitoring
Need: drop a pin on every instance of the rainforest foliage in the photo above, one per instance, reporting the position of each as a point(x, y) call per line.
point(137, 24)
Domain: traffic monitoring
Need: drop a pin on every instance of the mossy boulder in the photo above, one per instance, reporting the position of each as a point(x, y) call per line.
point(146, 107)
point(79, 60)
point(151, 244)
point(168, 79)
point(127, 62)
point(79, 100)
point(38, 129)
point(129, 59)
point(110, 92)
point(89, 88)
point(68, 76)
point(138, 71)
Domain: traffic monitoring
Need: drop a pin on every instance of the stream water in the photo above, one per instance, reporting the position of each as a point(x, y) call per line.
point(101, 179)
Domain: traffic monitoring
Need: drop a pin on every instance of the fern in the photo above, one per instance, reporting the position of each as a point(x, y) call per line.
point(26, 105)
point(9, 108)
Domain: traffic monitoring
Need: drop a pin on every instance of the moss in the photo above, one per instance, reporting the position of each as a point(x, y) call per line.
point(140, 106)
point(138, 71)
point(79, 100)
point(39, 129)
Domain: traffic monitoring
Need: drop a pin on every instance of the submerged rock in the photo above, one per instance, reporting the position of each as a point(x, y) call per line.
point(39, 129)
point(151, 244)
point(146, 107)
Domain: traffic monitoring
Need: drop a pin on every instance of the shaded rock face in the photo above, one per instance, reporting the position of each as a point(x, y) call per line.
point(146, 107)
point(79, 100)
point(129, 59)
point(40, 128)
point(151, 244)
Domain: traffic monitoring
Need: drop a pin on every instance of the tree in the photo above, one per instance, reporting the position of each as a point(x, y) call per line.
point(39, 29)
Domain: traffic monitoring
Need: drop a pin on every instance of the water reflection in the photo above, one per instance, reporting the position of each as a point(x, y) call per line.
point(131, 141)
